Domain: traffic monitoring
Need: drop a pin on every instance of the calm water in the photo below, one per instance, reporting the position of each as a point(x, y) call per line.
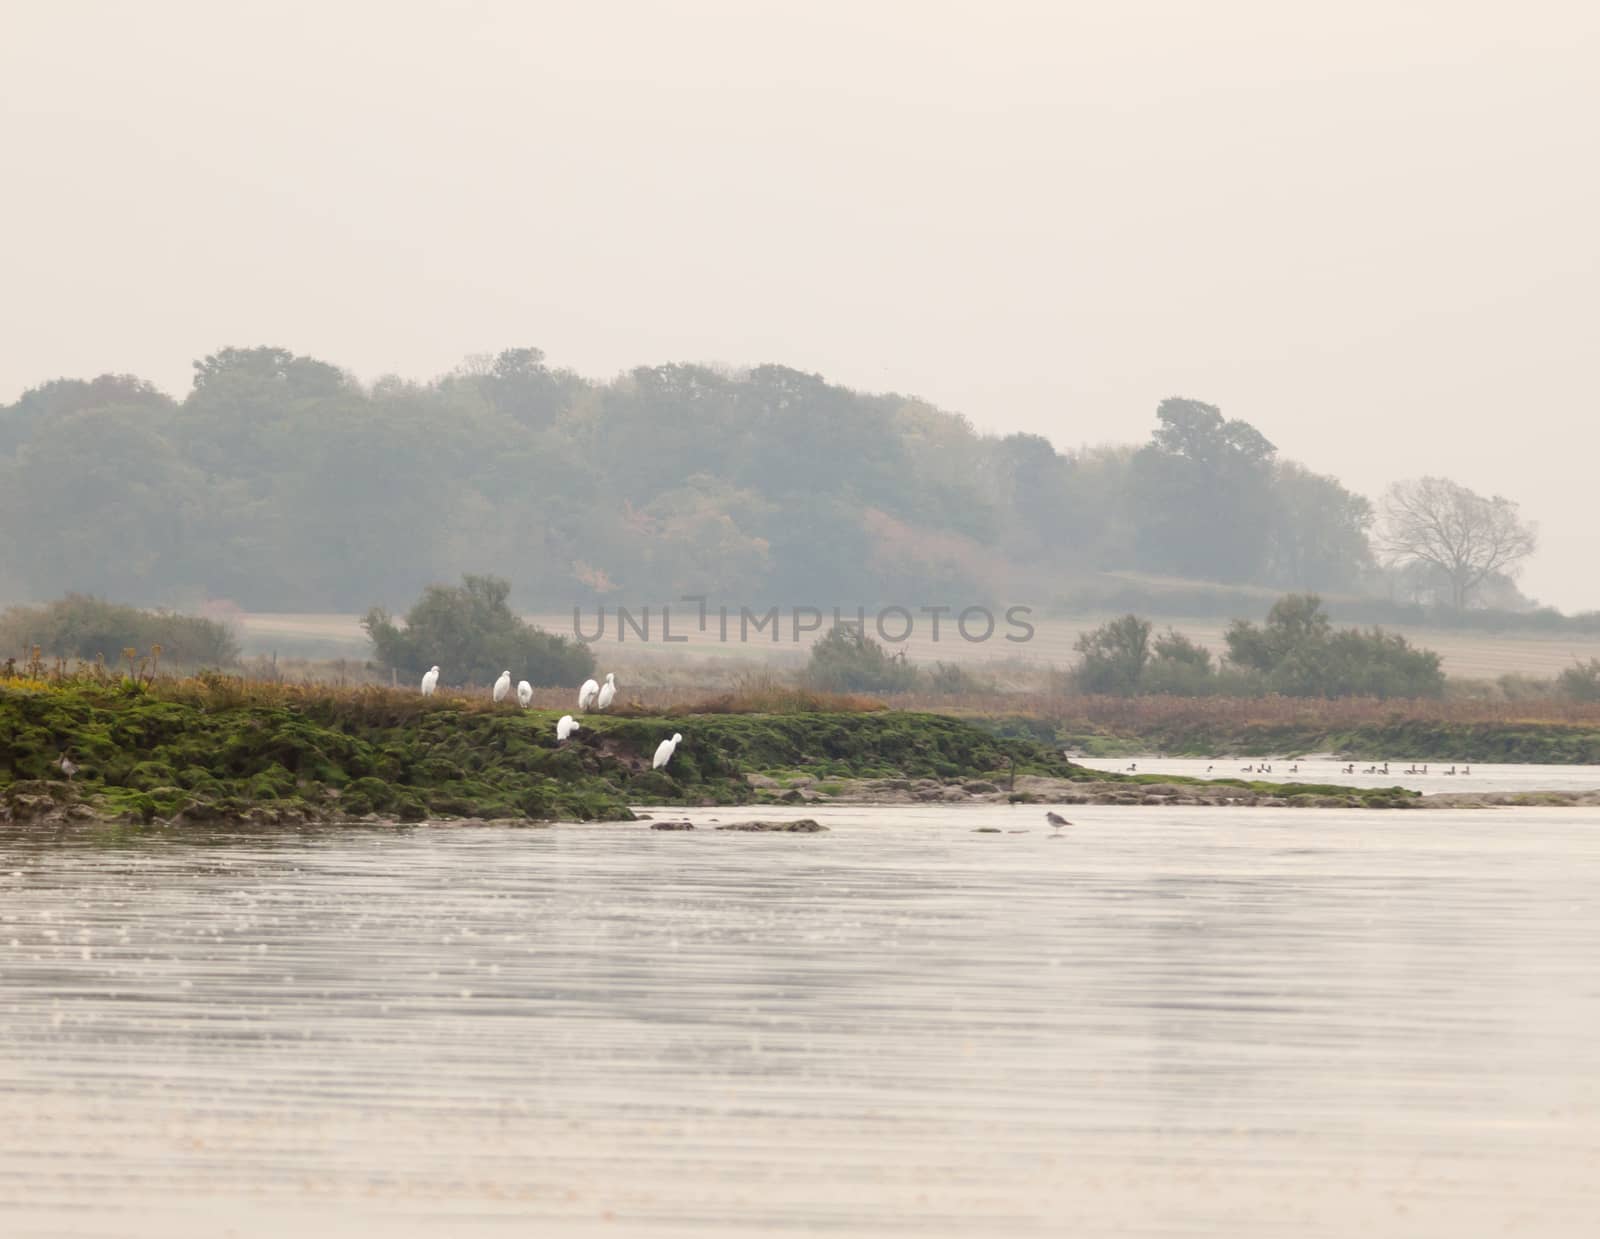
point(1166, 1022)
point(1483, 778)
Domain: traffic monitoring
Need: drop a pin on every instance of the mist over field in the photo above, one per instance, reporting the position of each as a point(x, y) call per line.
point(1368, 235)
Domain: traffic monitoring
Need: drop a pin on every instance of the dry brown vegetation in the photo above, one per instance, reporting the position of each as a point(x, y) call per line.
point(1138, 714)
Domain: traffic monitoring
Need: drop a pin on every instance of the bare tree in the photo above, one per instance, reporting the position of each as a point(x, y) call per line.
point(1443, 525)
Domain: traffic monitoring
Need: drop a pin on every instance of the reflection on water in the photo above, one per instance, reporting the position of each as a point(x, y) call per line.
point(1162, 1022)
point(1420, 776)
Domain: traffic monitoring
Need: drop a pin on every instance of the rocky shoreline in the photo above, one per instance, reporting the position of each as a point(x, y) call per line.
point(1036, 789)
point(48, 804)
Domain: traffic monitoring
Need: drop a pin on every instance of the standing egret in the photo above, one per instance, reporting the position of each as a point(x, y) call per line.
point(587, 694)
point(502, 686)
point(607, 692)
point(566, 727)
point(664, 751)
point(524, 694)
point(430, 681)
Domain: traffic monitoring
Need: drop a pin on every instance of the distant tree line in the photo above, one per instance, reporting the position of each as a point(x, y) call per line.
point(280, 483)
point(92, 629)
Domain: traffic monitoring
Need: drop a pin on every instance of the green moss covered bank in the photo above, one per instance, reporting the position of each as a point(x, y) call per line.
point(148, 756)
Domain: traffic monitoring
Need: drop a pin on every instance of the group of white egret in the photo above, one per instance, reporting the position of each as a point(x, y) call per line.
point(592, 696)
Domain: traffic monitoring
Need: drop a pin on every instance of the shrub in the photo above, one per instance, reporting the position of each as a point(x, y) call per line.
point(472, 635)
point(1114, 656)
point(1298, 654)
point(80, 626)
point(952, 679)
point(848, 661)
point(1581, 681)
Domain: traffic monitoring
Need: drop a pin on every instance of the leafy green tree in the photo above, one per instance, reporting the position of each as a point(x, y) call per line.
point(1581, 681)
point(1179, 667)
point(1114, 656)
point(1298, 654)
point(298, 377)
point(521, 386)
point(1173, 646)
point(80, 626)
point(472, 635)
point(1318, 533)
point(133, 397)
point(1296, 622)
point(1202, 494)
point(1036, 483)
point(849, 661)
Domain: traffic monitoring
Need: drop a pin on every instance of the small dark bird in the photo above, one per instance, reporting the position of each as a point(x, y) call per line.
point(1055, 819)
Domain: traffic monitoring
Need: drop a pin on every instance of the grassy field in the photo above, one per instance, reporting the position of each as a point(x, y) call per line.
point(1466, 655)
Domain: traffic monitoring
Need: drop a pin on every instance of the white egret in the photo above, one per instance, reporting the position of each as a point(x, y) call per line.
point(587, 694)
point(607, 691)
point(664, 751)
point(566, 727)
point(524, 694)
point(68, 766)
point(430, 681)
point(502, 686)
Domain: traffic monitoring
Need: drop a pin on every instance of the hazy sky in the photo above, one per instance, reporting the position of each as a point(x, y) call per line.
point(1372, 229)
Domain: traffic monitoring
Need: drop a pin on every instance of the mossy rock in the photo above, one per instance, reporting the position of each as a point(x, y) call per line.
point(376, 792)
point(653, 785)
point(145, 775)
point(273, 783)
